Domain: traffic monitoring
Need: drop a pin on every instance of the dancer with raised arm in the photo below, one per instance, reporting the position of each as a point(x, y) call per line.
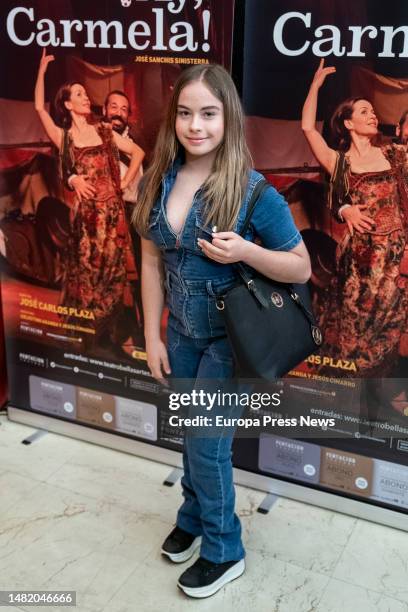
point(98, 259)
point(367, 309)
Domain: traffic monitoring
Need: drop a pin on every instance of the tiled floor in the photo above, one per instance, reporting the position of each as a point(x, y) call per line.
point(81, 517)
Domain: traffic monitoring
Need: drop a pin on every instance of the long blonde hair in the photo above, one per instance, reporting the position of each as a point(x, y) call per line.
point(224, 189)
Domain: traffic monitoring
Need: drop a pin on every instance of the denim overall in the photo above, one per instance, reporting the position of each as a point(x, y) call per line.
point(198, 349)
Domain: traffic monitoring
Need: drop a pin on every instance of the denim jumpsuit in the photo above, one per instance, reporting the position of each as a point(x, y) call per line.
point(199, 349)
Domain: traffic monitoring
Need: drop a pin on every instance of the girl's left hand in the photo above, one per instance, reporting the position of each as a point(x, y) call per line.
point(226, 247)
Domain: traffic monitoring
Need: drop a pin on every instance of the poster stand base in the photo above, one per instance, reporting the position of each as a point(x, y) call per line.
point(279, 488)
point(267, 503)
point(40, 433)
point(173, 477)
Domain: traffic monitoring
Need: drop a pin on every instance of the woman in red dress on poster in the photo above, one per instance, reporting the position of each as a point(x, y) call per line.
point(98, 261)
point(369, 307)
point(366, 313)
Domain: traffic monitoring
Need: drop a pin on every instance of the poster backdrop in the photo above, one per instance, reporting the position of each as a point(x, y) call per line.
point(74, 323)
point(61, 361)
point(359, 282)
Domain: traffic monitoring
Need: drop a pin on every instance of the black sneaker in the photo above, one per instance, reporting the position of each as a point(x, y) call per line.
point(204, 578)
point(180, 545)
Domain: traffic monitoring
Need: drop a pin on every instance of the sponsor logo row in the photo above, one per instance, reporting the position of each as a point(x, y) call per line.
point(370, 478)
point(94, 408)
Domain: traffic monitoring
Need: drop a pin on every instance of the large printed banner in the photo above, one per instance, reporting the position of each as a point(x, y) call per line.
point(74, 322)
point(75, 350)
point(360, 280)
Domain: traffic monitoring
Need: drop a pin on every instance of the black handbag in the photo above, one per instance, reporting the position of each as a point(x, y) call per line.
point(270, 325)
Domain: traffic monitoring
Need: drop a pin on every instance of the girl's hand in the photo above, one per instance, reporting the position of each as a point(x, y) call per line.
point(124, 184)
point(226, 247)
point(356, 220)
point(45, 60)
point(158, 360)
point(321, 74)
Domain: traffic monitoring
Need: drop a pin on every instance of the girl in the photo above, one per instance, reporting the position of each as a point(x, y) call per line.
point(367, 310)
point(98, 260)
point(200, 179)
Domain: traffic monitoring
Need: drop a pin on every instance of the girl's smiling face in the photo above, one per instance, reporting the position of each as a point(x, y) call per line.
point(199, 121)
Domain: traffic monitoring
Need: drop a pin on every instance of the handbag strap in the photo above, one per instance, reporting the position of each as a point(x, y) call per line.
point(250, 283)
point(259, 189)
